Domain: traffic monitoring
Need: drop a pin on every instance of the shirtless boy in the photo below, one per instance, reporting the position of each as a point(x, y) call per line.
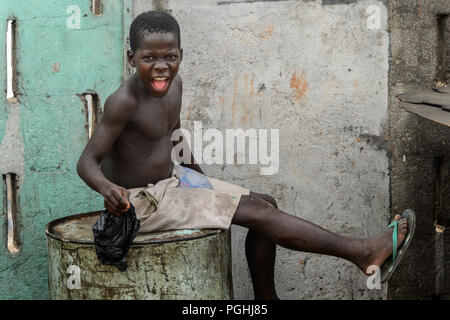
point(131, 150)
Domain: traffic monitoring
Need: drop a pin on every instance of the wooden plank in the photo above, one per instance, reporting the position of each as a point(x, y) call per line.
point(428, 112)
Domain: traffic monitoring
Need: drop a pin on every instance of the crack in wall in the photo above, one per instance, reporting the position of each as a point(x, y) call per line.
point(11, 147)
point(443, 48)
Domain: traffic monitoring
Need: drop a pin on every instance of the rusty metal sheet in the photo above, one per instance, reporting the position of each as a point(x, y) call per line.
point(442, 89)
point(425, 111)
point(431, 104)
point(78, 229)
point(430, 97)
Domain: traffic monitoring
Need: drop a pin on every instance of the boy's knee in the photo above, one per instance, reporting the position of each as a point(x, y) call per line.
point(253, 209)
point(270, 200)
point(265, 197)
point(253, 202)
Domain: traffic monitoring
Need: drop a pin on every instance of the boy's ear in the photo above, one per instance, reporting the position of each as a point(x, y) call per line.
point(181, 55)
point(130, 57)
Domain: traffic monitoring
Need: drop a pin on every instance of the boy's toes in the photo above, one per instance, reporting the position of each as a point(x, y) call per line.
point(403, 225)
point(382, 244)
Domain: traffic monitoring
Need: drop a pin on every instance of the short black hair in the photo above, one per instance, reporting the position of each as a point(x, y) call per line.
point(152, 21)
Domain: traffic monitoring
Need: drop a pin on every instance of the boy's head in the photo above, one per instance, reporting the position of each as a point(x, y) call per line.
point(155, 50)
point(152, 22)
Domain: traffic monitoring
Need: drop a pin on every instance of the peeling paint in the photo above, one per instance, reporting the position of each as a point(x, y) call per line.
point(299, 84)
point(267, 31)
point(12, 147)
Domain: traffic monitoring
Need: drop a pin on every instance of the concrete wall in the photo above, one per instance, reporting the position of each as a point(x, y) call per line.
point(318, 72)
point(418, 148)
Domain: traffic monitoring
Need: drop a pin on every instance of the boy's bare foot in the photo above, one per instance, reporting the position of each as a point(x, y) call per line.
point(377, 249)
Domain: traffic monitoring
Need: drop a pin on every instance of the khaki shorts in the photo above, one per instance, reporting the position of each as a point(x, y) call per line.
point(167, 206)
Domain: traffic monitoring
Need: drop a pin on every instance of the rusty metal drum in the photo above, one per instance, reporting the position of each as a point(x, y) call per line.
point(178, 264)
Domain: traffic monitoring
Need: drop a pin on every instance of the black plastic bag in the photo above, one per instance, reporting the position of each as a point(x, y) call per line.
point(113, 237)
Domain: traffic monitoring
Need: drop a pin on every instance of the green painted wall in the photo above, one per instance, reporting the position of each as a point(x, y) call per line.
point(52, 120)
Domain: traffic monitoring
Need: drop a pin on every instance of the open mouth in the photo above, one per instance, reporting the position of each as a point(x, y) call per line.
point(160, 83)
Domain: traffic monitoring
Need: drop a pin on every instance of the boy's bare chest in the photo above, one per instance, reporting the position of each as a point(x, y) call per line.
point(156, 119)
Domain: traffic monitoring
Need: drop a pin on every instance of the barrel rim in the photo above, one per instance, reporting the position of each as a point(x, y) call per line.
point(53, 223)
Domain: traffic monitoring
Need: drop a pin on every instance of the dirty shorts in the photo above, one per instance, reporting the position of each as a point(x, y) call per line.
point(171, 205)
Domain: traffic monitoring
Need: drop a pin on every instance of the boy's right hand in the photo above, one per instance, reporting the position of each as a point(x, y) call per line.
point(117, 200)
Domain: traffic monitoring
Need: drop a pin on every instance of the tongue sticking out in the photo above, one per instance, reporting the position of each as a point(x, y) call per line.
point(159, 84)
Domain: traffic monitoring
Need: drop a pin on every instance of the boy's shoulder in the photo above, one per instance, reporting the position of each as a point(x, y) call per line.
point(177, 81)
point(123, 99)
point(178, 86)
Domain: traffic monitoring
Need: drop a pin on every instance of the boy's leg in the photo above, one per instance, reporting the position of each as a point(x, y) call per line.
point(260, 252)
point(295, 233)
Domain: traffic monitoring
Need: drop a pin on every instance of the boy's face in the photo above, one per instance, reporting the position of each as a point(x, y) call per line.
point(157, 60)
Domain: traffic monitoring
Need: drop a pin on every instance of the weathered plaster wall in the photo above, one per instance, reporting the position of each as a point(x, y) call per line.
point(315, 71)
point(44, 133)
point(419, 151)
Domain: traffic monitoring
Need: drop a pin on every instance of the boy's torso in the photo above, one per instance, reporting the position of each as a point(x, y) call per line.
point(142, 152)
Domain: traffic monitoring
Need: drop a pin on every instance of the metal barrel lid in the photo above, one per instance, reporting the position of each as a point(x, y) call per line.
point(78, 229)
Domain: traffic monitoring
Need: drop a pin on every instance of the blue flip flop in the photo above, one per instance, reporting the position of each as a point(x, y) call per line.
point(388, 267)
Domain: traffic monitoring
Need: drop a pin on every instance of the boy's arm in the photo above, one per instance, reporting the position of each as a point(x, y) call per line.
point(192, 165)
point(116, 115)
